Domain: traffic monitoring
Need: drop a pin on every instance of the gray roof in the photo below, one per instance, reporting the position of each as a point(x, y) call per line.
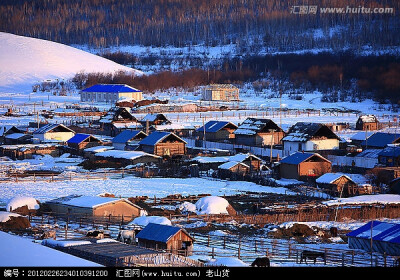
point(51, 126)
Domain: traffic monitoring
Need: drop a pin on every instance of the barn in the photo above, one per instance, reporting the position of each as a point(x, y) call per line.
point(233, 169)
point(95, 206)
point(53, 132)
point(163, 144)
point(303, 166)
point(217, 131)
point(376, 236)
point(258, 132)
point(367, 122)
point(164, 237)
point(110, 93)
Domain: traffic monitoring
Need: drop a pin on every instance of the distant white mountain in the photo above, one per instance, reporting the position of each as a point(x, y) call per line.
point(25, 61)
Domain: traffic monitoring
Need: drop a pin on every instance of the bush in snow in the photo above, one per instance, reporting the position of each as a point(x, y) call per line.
point(23, 205)
point(213, 205)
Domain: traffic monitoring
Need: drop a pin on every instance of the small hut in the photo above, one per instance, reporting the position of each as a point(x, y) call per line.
point(163, 144)
point(81, 141)
point(337, 183)
point(164, 237)
point(367, 122)
point(217, 131)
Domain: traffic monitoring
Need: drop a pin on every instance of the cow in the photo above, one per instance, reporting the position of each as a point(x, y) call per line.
point(261, 262)
point(313, 255)
point(126, 236)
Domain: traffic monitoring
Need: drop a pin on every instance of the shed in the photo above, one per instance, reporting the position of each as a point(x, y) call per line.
point(154, 119)
point(302, 166)
point(376, 236)
point(82, 141)
point(258, 132)
point(308, 137)
point(53, 132)
point(17, 138)
point(233, 168)
point(163, 144)
point(337, 183)
point(95, 206)
point(118, 119)
point(128, 137)
point(164, 237)
point(367, 122)
point(217, 131)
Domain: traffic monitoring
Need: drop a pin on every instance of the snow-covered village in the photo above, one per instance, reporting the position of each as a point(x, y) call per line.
point(124, 152)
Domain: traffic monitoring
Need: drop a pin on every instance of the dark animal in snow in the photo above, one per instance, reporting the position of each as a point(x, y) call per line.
point(261, 262)
point(312, 255)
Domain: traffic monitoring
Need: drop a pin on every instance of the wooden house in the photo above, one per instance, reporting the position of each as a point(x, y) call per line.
point(221, 92)
point(118, 119)
point(232, 169)
point(367, 122)
point(17, 138)
point(338, 184)
point(303, 166)
point(28, 151)
point(95, 206)
point(128, 138)
point(376, 236)
point(110, 93)
point(53, 132)
point(309, 137)
point(8, 130)
point(164, 237)
point(359, 137)
point(154, 119)
point(81, 141)
point(390, 156)
point(163, 144)
point(258, 132)
point(217, 131)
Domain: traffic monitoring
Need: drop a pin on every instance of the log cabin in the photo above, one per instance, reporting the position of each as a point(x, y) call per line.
point(367, 122)
point(258, 132)
point(164, 144)
point(303, 166)
point(217, 131)
point(164, 237)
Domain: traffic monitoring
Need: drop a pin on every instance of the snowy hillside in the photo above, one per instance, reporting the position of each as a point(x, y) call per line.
point(26, 61)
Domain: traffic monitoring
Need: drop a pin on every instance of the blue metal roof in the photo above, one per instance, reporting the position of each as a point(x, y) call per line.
point(158, 232)
point(78, 138)
point(156, 137)
point(390, 152)
point(296, 158)
point(381, 231)
point(110, 88)
point(213, 126)
point(125, 136)
point(380, 139)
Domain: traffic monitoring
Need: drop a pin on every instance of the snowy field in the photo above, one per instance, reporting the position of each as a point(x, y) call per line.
point(132, 186)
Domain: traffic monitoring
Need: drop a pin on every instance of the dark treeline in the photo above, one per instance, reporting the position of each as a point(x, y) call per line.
point(326, 71)
point(166, 79)
point(102, 23)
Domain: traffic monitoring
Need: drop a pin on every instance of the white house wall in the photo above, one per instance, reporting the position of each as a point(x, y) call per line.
point(292, 147)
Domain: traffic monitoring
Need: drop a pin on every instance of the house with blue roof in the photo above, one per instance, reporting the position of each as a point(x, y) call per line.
point(380, 140)
point(376, 236)
point(390, 156)
point(164, 144)
point(81, 141)
point(110, 93)
point(304, 166)
point(128, 138)
point(164, 237)
point(217, 131)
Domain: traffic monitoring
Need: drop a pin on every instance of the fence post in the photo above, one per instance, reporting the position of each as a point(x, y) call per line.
point(240, 245)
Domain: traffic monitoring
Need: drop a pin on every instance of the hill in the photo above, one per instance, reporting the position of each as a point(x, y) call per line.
point(26, 61)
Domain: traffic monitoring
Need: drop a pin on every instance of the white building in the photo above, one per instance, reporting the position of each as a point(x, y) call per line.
point(110, 93)
point(221, 92)
point(53, 132)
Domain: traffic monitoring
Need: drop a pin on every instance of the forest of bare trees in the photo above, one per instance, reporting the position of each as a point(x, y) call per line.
point(101, 23)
